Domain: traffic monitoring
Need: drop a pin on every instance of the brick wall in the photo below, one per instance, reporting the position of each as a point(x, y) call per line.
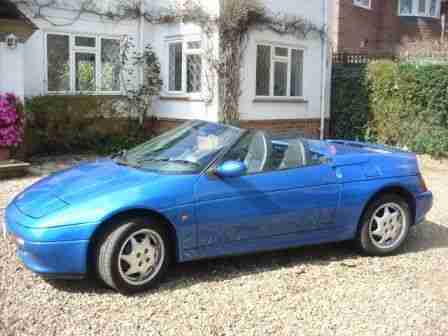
point(396, 29)
point(162, 125)
point(308, 127)
point(380, 29)
point(358, 27)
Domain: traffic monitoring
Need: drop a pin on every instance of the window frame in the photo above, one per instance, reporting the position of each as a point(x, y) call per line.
point(415, 10)
point(280, 59)
point(186, 51)
point(73, 50)
point(358, 3)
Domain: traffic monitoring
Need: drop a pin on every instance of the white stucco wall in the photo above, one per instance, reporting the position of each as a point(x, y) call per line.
point(254, 109)
point(12, 69)
point(170, 106)
point(157, 35)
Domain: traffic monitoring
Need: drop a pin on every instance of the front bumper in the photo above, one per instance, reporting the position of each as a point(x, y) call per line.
point(59, 252)
point(423, 204)
point(55, 260)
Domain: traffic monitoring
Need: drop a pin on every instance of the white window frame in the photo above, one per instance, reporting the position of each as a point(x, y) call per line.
point(185, 52)
point(415, 9)
point(73, 50)
point(358, 3)
point(282, 59)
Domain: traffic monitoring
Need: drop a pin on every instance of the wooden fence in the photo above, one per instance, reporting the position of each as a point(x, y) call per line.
point(353, 58)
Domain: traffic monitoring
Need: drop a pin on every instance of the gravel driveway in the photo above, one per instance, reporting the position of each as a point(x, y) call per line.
point(326, 290)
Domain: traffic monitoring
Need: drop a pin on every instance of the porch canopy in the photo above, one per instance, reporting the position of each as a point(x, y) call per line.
point(13, 21)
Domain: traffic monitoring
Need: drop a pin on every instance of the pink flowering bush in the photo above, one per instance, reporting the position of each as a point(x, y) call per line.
point(10, 121)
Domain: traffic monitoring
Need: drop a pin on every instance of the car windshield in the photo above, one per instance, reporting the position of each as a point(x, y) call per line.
point(188, 148)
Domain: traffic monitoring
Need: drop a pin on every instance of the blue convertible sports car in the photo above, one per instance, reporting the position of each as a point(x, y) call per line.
point(205, 190)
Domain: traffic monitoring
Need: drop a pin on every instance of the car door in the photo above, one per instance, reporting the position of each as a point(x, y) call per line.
point(273, 200)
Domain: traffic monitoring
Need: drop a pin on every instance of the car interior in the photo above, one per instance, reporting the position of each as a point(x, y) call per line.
point(261, 151)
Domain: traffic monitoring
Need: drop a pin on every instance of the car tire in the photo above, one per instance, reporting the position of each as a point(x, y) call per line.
point(134, 255)
point(384, 226)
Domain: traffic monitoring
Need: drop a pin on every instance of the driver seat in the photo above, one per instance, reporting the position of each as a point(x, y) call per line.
point(259, 153)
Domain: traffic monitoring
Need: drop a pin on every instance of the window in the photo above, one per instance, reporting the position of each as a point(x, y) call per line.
point(185, 67)
point(363, 3)
point(175, 65)
point(82, 41)
point(58, 55)
point(77, 63)
point(85, 74)
point(426, 8)
point(110, 65)
point(279, 71)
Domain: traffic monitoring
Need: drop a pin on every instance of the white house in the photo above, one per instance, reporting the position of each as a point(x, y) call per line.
point(285, 80)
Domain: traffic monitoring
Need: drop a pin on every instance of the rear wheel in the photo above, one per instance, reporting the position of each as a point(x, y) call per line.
point(385, 225)
point(134, 255)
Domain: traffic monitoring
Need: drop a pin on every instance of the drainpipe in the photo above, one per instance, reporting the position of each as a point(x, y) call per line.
point(141, 27)
point(324, 48)
point(443, 21)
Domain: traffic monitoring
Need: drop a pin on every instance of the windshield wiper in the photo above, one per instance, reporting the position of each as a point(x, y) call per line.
point(156, 159)
point(119, 154)
point(126, 163)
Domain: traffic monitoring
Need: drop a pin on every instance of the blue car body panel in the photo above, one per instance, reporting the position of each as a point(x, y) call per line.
point(57, 217)
point(263, 205)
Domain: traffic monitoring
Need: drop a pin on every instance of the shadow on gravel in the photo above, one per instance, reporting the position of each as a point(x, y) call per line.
point(426, 236)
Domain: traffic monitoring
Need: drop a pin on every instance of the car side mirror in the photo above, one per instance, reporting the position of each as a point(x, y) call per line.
point(231, 169)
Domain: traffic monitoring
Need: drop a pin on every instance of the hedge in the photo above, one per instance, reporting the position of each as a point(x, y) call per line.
point(398, 104)
point(61, 124)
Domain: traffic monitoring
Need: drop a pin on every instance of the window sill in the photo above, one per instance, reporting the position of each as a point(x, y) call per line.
point(362, 7)
point(294, 100)
point(85, 93)
point(181, 98)
point(423, 16)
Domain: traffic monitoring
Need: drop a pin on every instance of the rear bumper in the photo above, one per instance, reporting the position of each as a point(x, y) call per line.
point(423, 204)
point(59, 252)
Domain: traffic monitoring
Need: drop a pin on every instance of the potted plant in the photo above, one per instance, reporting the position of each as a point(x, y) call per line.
point(10, 124)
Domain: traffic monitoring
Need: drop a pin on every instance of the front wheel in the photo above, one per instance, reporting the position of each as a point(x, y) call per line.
point(134, 255)
point(384, 226)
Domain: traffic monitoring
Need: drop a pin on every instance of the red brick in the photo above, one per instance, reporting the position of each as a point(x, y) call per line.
point(308, 127)
point(381, 27)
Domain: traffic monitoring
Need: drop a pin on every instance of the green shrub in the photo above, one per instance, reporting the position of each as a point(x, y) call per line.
point(350, 102)
point(61, 124)
point(402, 104)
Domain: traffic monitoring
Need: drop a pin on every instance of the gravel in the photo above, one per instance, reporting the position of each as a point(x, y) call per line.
point(324, 290)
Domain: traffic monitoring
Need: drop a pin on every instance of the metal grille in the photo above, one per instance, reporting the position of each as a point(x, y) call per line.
point(194, 73)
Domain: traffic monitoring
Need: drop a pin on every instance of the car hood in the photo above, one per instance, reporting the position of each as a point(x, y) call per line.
point(82, 182)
